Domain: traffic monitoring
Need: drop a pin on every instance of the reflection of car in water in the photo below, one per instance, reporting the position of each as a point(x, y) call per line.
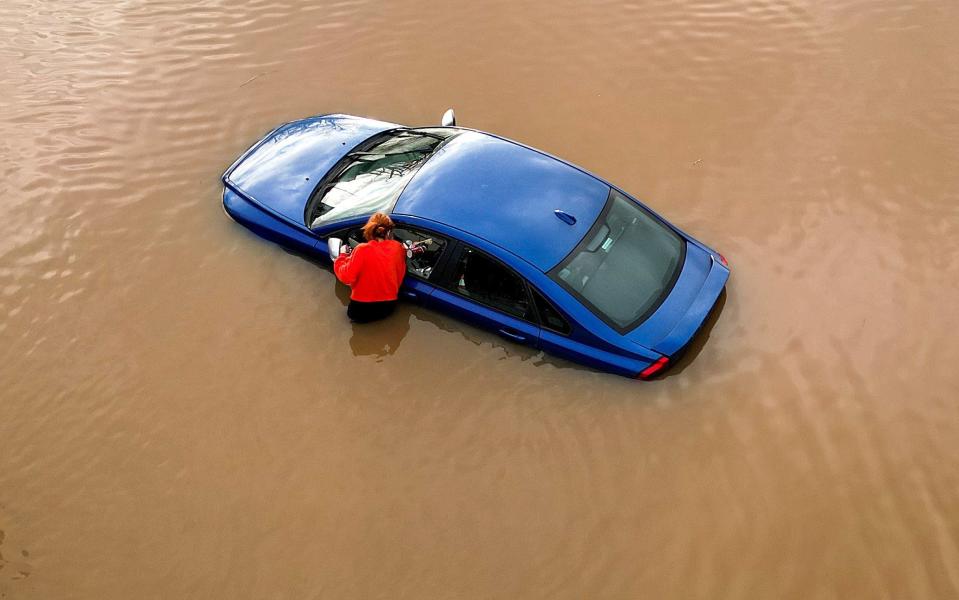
point(497, 234)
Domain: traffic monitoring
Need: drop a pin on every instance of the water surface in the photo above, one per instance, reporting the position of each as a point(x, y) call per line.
point(185, 411)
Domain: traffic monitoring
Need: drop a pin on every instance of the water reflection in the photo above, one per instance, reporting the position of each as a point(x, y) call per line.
point(341, 290)
point(188, 413)
point(380, 338)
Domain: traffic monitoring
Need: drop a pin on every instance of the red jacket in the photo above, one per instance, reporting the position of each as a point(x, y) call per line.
point(373, 270)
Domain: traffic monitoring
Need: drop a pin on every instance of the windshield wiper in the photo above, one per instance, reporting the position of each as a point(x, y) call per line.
point(368, 153)
point(437, 137)
point(416, 132)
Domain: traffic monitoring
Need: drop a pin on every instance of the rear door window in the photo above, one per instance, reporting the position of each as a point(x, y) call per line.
point(478, 277)
point(549, 317)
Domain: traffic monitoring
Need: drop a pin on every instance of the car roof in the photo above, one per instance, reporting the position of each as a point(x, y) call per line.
point(506, 193)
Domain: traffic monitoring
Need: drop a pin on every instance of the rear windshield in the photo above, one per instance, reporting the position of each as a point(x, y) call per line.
point(370, 178)
point(626, 264)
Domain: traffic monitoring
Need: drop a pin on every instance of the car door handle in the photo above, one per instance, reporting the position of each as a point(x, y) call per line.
point(516, 337)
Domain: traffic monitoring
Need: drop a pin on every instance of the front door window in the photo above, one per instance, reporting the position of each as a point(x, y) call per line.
point(423, 249)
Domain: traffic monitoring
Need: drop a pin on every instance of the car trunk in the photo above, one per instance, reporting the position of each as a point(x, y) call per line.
point(686, 307)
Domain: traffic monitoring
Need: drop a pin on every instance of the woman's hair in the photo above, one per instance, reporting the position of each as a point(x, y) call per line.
point(378, 227)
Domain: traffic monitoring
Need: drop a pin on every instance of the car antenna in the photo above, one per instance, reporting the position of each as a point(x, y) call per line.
point(565, 217)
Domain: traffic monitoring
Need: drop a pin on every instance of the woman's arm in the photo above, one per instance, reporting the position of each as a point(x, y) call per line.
point(347, 266)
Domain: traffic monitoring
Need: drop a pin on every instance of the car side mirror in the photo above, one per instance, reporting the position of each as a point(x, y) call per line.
point(449, 118)
point(334, 245)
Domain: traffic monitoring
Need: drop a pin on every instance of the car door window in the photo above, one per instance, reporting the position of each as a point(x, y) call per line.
point(549, 316)
point(480, 278)
point(423, 250)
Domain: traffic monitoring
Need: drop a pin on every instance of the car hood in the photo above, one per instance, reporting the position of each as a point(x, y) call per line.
point(686, 307)
point(281, 170)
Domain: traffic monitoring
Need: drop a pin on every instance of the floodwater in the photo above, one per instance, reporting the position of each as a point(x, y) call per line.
point(185, 411)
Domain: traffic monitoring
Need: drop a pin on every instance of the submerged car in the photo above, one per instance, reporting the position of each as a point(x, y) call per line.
point(501, 235)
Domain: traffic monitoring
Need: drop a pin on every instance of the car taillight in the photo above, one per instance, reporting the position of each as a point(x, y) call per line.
point(654, 368)
point(722, 259)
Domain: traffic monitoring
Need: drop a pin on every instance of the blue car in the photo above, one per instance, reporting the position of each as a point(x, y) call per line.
point(499, 234)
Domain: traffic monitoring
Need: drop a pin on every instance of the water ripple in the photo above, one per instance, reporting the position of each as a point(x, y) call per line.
point(186, 402)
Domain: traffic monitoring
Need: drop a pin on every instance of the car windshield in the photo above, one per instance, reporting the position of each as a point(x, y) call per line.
point(370, 178)
point(625, 265)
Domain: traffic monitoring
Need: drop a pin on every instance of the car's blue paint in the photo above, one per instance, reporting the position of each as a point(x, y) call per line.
point(282, 170)
point(267, 223)
point(506, 193)
point(416, 290)
point(496, 196)
point(696, 312)
point(507, 326)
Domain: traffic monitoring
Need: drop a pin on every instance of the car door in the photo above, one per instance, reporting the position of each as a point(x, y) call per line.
point(481, 290)
point(555, 333)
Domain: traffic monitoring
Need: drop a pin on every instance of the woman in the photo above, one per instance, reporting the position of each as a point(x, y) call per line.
point(374, 271)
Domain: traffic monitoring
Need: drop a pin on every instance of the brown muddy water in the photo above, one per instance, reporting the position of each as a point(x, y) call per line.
point(185, 411)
